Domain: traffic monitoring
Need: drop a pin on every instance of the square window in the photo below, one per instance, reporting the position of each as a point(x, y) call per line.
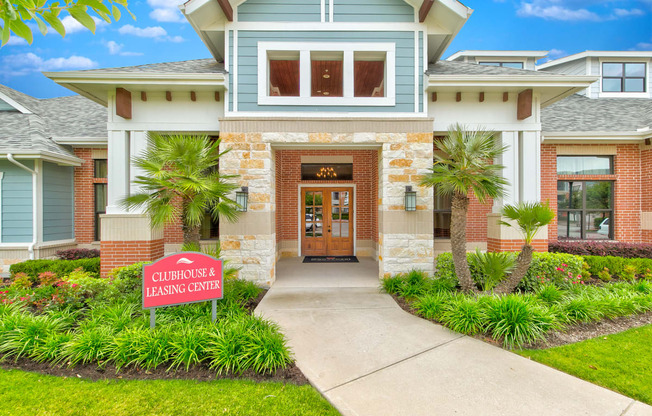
point(634, 84)
point(327, 69)
point(612, 85)
point(284, 73)
point(612, 70)
point(100, 168)
point(635, 70)
point(369, 74)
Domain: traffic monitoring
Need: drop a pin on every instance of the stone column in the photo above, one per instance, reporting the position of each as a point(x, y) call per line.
point(405, 238)
point(250, 242)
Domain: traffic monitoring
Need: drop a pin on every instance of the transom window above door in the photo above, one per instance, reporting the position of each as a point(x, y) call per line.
point(326, 74)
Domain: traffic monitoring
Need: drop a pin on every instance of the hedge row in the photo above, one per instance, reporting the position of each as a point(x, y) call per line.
point(595, 248)
point(59, 267)
point(616, 266)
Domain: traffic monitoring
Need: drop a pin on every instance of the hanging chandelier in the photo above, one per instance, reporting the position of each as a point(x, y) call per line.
point(326, 172)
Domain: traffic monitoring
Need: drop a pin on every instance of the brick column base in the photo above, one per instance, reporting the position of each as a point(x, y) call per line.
point(496, 245)
point(123, 253)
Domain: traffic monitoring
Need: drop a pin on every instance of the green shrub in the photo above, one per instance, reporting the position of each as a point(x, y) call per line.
point(549, 294)
point(604, 275)
point(392, 284)
point(431, 305)
point(91, 344)
point(59, 267)
point(619, 267)
point(545, 267)
point(22, 281)
point(492, 268)
point(412, 284)
point(517, 320)
point(465, 315)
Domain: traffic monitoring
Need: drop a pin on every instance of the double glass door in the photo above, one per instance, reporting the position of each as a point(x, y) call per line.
point(327, 221)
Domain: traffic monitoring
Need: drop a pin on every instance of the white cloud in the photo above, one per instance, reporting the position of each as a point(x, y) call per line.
point(115, 48)
point(16, 41)
point(167, 15)
point(166, 11)
point(627, 13)
point(153, 32)
point(26, 63)
point(73, 26)
point(553, 12)
point(145, 32)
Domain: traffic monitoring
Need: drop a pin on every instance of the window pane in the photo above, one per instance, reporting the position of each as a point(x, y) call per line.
point(517, 65)
point(209, 228)
point(442, 225)
point(345, 229)
point(611, 85)
point(569, 225)
point(598, 225)
point(635, 70)
point(442, 203)
point(490, 63)
point(584, 165)
point(569, 195)
point(327, 74)
point(284, 74)
point(101, 169)
point(612, 70)
point(634, 85)
point(598, 195)
point(369, 74)
point(318, 229)
point(100, 198)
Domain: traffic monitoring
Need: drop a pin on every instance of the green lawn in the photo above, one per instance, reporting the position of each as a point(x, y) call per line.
point(620, 362)
point(23, 393)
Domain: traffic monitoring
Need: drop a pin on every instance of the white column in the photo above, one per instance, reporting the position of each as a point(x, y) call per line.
point(509, 160)
point(530, 172)
point(137, 146)
point(118, 175)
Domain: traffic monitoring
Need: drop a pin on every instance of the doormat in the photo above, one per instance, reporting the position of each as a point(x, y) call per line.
point(330, 259)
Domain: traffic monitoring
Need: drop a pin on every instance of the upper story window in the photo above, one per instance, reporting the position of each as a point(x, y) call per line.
point(326, 74)
point(4, 106)
point(517, 65)
point(585, 165)
point(623, 77)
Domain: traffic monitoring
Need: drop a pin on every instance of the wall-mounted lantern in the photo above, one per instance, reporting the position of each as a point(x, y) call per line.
point(410, 199)
point(241, 198)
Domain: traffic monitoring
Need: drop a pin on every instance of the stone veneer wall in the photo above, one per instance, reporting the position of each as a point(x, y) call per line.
point(403, 160)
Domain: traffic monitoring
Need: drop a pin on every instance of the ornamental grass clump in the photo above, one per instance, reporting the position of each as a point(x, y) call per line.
point(518, 320)
point(465, 315)
point(431, 305)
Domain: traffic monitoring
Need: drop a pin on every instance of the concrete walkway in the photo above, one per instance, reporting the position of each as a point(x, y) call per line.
point(369, 357)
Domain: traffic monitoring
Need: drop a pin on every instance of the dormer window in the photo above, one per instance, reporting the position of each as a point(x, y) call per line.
point(623, 77)
point(5, 106)
point(333, 74)
point(516, 65)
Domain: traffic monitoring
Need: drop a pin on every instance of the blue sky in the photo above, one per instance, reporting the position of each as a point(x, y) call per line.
point(160, 34)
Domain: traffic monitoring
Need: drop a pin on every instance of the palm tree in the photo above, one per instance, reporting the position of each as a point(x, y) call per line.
point(530, 217)
point(181, 181)
point(466, 169)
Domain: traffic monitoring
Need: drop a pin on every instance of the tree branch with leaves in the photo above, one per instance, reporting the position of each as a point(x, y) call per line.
point(16, 14)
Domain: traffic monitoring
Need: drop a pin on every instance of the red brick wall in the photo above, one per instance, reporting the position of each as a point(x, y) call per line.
point(85, 197)
point(288, 178)
point(173, 233)
point(495, 245)
point(646, 189)
point(627, 189)
point(476, 220)
point(123, 253)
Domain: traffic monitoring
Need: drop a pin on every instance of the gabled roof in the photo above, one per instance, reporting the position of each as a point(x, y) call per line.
point(195, 66)
point(32, 134)
point(506, 54)
point(596, 54)
point(465, 68)
point(578, 113)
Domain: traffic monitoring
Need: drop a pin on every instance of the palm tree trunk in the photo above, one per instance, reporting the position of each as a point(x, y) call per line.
point(459, 208)
point(191, 234)
point(522, 265)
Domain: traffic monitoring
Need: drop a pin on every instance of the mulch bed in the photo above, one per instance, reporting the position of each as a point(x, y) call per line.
point(292, 374)
point(569, 335)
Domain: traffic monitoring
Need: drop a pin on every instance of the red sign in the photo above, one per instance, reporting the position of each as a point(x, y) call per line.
point(182, 278)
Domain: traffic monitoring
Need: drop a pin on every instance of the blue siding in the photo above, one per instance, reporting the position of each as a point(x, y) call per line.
point(231, 69)
point(16, 202)
point(280, 11)
point(421, 72)
point(248, 68)
point(58, 202)
point(372, 11)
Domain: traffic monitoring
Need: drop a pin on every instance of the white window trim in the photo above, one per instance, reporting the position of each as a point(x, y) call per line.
point(626, 94)
point(348, 50)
